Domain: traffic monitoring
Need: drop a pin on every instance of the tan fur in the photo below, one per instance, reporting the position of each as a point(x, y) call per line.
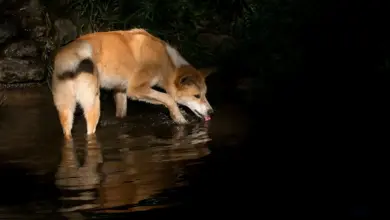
point(130, 63)
point(83, 88)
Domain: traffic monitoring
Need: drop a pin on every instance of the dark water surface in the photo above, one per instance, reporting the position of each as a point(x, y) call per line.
point(250, 159)
point(138, 163)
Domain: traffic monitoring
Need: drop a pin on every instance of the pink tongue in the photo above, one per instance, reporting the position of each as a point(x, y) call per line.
point(207, 118)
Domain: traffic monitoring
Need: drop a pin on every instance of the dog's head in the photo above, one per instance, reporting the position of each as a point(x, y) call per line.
point(191, 90)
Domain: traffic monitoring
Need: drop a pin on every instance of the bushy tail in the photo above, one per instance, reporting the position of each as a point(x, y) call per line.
point(73, 59)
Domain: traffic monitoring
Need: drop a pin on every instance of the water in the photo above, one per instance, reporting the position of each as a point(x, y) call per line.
point(139, 163)
point(281, 160)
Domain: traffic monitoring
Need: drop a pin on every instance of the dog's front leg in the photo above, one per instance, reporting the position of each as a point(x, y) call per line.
point(152, 96)
point(120, 98)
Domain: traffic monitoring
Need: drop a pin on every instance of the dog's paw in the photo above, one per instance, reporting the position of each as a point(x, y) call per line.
point(120, 114)
point(180, 120)
point(68, 137)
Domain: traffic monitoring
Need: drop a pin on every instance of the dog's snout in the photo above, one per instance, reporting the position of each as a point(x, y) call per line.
point(210, 111)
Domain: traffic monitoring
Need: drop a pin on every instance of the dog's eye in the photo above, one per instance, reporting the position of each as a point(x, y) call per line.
point(197, 96)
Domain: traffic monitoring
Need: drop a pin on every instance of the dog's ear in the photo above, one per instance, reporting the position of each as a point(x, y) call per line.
point(187, 80)
point(207, 71)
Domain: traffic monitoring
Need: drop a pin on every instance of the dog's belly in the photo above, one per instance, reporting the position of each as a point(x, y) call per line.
point(117, 82)
point(112, 81)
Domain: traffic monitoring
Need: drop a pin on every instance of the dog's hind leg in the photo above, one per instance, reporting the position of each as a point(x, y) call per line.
point(64, 100)
point(92, 115)
point(88, 95)
point(66, 115)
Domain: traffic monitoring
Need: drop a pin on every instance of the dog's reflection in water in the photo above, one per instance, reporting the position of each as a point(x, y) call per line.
point(78, 182)
point(148, 166)
point(143, 167)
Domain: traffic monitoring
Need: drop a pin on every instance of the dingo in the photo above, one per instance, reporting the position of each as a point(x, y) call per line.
point(130, 63)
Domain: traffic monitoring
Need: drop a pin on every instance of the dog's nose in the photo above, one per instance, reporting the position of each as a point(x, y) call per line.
point(210, 111)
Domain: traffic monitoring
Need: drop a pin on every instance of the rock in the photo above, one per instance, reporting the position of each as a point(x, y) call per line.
point(65, 31)
point(26, 48)
point(46, 45)
point(26, 44)
point(7, 31)
point(35, 7)
point(14, 70)
point(38, 33)
point(31, 14)
point(31, 17)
